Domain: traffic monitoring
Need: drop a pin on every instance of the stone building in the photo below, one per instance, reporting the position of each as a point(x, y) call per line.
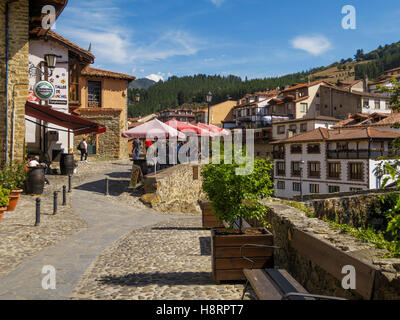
point(103, 98)
point(22, 19)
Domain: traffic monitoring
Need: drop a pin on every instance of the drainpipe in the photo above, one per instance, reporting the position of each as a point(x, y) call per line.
point(7, 60)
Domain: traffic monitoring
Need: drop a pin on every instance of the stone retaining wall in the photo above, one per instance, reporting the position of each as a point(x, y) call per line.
point(357, 211)
point(175, 190)
point(285, 220)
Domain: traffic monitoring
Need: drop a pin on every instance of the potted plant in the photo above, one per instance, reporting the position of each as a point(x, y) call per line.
point(4, 201)
point(235, 197)
point(13, 178)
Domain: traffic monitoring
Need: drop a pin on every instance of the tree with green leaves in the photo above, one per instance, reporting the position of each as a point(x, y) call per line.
point(236, 197)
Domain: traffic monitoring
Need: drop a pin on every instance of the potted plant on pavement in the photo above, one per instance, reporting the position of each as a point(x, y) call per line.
point(236, 198)
point(4, 201)
point(13, 178)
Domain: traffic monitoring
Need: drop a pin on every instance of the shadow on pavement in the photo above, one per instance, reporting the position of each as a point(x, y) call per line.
point(115, 187)
point(162, 279)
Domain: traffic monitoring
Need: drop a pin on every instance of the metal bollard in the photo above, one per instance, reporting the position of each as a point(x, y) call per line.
point(37, 222)
point(64, 203)
point(55, 202)
point(69, 183)
point(106, 186)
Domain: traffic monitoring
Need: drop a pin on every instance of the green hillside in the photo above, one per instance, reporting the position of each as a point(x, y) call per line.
point(190, 91)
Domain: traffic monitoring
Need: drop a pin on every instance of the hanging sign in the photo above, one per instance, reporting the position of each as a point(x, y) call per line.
point(44, 90)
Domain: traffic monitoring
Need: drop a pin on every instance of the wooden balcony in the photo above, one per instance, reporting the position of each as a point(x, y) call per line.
point(359, 154)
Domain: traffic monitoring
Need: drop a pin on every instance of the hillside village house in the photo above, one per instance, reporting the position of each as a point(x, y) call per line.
point(102, 97)
point(40, 136)
point(330, 161)
point(219, 113)
point(180, 114)
point(384, 80)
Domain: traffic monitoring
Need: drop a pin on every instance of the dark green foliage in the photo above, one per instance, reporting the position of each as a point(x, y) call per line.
point(4, 199)
point(237, 196)
point(384, 58)
point(13, 177)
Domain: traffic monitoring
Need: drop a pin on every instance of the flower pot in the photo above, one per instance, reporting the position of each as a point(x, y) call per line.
point(17, 192)
point(208, 216)
point(13, 202)
point(227, 262)
point(2, 212)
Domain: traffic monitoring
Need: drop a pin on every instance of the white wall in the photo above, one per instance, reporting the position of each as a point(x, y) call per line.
point(59, 78)
point(344, 183)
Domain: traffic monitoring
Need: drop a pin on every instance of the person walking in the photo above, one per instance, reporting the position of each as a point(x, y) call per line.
point(83, 147)
point(136, 149)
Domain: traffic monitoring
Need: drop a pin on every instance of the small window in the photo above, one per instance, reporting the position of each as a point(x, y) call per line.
point(280, 168)
point(313, 148)
point(296, 169)
point(314, 169)
point(296, 187)
point(303, 107)
point(296, 149)
point(334, 189)
point(314, 188)
point(356, 171)
point(94, 94)
point(293, 128)
point(281, 185)
point(334, 170)
point(281, 129)
point(355, 189)
point(303, 127)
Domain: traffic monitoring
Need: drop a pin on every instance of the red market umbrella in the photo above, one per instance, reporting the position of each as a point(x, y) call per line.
point(189, 128)
point(152, 129)
point(216, 130)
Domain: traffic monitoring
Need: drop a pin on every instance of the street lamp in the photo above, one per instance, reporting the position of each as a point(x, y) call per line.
point(209, 97)
point(51, 60)
point(301, 179)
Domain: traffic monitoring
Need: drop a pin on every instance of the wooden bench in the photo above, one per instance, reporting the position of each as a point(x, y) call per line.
point(277, 284)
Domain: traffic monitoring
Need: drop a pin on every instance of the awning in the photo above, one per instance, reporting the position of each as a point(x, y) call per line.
point(77, 125)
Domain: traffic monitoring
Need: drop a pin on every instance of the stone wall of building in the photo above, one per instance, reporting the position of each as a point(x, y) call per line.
point(357, 210)
point(109, 144)
point(18, 77)
point(175, 190)
point(285, 220)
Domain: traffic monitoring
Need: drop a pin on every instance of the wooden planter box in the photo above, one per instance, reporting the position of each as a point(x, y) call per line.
point(228, 264)
point(208, 217)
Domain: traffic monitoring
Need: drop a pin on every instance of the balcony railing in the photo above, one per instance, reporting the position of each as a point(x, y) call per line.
point(360, 154)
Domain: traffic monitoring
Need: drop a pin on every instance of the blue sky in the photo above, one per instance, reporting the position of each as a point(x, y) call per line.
point(253, 38)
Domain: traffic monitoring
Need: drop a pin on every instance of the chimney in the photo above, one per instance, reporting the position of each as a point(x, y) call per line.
point(297, 94)
point(289, 134)
point(277, 91)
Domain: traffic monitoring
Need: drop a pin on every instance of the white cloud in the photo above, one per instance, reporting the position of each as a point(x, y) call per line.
point(156, 77)
point(217, 2)
point(99, 22)
point(315, 45)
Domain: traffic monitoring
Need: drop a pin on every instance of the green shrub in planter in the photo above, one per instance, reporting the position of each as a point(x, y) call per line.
point(236, 196)
point(4, 199)
point(13, 177)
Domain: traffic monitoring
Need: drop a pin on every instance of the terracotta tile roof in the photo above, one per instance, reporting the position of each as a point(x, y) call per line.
point(89, 71)
point(322, 134)
point(72, 46)
point(370, 120)
point(304, 85)
point(323, 118)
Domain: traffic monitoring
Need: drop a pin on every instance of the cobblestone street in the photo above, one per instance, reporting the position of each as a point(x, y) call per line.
point(168, 261)
point(106, 247)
